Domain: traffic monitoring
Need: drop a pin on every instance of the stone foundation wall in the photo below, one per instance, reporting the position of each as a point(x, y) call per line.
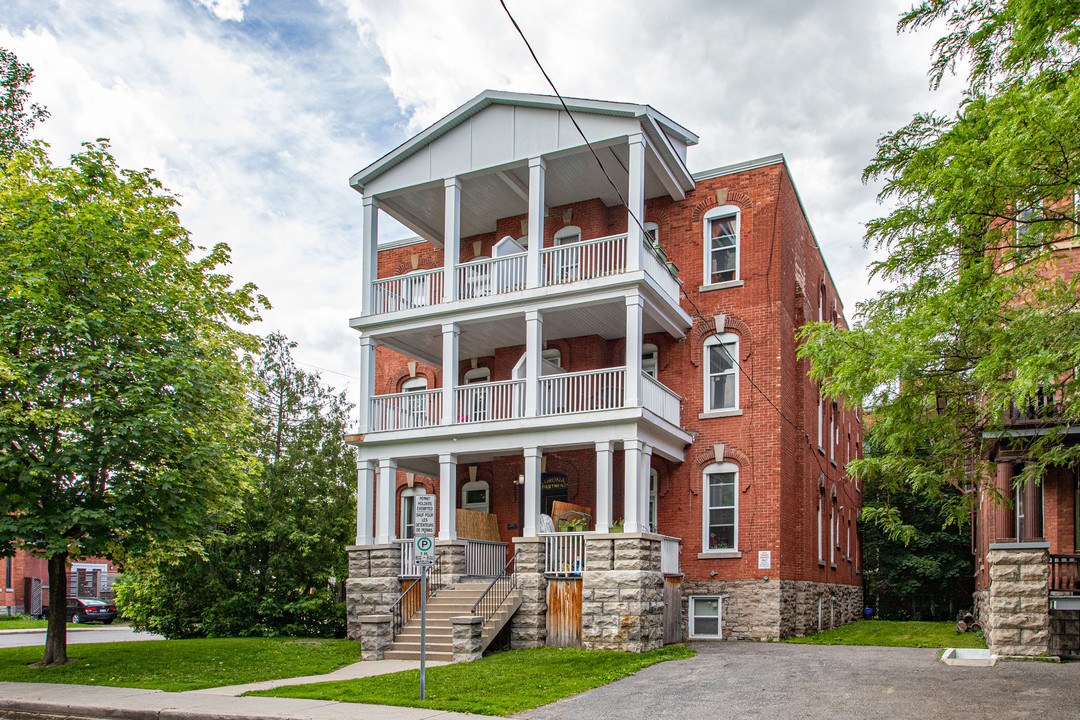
point(1019, 617)
point(528, 626)
point(622, 594)
point(981, 611)
point(839, 605)
point(373, 585)
point(1065, 633)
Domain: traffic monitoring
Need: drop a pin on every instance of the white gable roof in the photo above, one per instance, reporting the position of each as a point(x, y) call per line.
point(501, 128)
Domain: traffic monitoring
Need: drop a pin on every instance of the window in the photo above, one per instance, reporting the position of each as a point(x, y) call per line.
point(408, 511)
point(832, 534)
point(705, 616)
point(821, 521)
point(553, 356)
point(652, 231)
point(7, 573)
point(821, 304)
point(721, 502)
point(477, 375)
point(649, 357)
point(654, 487)
point(567, 265)
point(414, 409)
point(820, 420)
point(475, 496)
point(721, 227)
point(721, 375)
point(474, 403)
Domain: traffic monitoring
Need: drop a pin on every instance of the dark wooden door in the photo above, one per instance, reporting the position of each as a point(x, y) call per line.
point(564, 613)
point(672, 610)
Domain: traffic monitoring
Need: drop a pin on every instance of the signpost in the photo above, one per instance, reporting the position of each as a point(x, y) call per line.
point(424, 533)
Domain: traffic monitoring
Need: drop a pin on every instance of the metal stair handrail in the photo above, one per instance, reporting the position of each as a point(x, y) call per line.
point(405, 607)
point(497, 592)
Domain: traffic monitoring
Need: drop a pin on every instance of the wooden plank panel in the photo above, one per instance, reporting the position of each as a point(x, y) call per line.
point(569, 511)
point(672, 610)
point(477, 525)
point(564, 613)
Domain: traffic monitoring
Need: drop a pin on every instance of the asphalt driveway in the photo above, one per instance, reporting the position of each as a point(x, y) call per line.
point(776, 680)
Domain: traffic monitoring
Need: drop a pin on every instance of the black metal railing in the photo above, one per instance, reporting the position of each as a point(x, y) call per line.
point(497, 592)
point(1046, 405)
point(408, 603)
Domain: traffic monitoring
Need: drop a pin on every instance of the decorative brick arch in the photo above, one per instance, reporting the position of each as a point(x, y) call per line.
point(735, 197)
point(564, 351)
point(431, 376)
point(404, 266)
point(702, 331)
point(556, 464)
point(707, 457)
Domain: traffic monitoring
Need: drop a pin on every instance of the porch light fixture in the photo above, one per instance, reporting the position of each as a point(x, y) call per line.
point(520, 479)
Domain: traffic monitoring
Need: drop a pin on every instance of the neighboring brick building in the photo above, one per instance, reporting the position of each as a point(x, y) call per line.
point(91, 577)
point(590, 369)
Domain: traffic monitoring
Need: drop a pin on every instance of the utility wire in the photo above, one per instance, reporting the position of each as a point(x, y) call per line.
point(638, 222)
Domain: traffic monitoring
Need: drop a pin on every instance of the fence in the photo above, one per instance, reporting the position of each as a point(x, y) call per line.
point(484, 558)
point(405, 292)
point(564, 554)
point(491, 276)
point(660, 399)
point(1063, 573)
point(669, 556)
point(583, 260)
point(480, 402)
point(406, 411)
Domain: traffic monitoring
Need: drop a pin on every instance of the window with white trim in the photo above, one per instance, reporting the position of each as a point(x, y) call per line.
point(477, 375)
point(721, 373)
point(649, 359)
point(408, 511)
point(415, 409)
point(553, 356)
point(721, 505)
point(704, 616)
point(821, 521)
point(652, 230)
point(721, 227)
point(820, 419)
point(654, 494)
point(567, 264)
point(475, 496)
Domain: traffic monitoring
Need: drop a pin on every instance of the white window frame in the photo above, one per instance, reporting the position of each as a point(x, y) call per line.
point(408, 510)
point(718, 213)
point(706, 507)
point(821, 521)
point(473, 486)
point(653, 231)
point(415, 407)
point(476, 375)
point(820, 419)
point(547, 355)
point(568, 235)
point(731, 341)
point(650, 360)
point(654, 498)
point(691, 606)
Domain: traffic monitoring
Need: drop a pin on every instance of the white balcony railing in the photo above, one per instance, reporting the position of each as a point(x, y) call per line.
point(660, 399)
point(582, 391)
point(669, 556)
point(481, 402)
point(658, 271)
point(406, 292)
point(491, 276)
point(406, 411)
point(484, 558)
point(564, 554)
point(583, 260)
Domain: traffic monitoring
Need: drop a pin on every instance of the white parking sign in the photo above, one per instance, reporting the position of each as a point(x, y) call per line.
point(424, 515)
point(425, 550)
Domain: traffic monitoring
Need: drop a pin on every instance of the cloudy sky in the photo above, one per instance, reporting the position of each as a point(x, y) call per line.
point(257, 111)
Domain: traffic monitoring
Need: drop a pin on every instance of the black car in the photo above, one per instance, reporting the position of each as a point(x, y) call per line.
point(84, 610)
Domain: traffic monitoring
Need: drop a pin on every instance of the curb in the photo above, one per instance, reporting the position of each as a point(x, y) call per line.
point(30, 710)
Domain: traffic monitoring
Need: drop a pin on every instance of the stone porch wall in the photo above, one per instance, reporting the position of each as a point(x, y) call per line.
point(373, 585)
point(622, 593)
point(1019, 605)
point(528, 626)
point(840, 604)
point(1065, 633)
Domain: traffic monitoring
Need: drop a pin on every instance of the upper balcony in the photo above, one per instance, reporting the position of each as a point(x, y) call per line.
point(501, 168)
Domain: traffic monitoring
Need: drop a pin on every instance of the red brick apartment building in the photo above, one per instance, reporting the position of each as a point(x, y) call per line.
point(1027, 546)
point(613, 407)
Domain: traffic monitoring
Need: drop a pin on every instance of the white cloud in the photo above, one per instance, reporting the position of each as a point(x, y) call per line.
point(226, 9)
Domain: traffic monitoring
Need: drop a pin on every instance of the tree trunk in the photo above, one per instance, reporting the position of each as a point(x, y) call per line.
point(56, 636)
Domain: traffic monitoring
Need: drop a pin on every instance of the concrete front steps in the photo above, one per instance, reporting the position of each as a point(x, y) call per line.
point(449, 603)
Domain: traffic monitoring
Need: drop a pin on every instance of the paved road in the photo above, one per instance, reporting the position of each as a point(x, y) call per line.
point(753, 680)
point(77, 636)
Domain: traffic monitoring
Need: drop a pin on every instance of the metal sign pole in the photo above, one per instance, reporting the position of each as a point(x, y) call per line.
point(423, 628)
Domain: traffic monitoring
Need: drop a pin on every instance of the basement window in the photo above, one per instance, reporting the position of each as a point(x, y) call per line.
point(705, 616)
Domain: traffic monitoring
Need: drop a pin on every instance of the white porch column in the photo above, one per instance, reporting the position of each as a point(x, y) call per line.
point(365, 502)
point(451, 238)
point(385, 532)
point(447, 497)
point(634, 305)
point(636, 200)
point(537, 171)
point(369, 255)
point(450, 334)
point(532, 491)
point(367, 381)
point(643, 487)
point(603, 485)
point(534, 347)
point(631, 483)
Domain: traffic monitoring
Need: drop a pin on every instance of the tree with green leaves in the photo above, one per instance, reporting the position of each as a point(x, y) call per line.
point(16, 119)
point(276, 567)
point(981, 312)
point(123, 409)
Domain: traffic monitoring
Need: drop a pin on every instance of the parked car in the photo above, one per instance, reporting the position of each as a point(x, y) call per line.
point(84, 610)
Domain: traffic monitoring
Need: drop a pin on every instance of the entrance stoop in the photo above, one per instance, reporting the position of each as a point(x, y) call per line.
point(448, 603)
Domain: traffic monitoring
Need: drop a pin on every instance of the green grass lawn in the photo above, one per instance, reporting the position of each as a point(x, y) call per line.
point(178, 665)
point(499, 684)
point(893, 633)
point(23, 622)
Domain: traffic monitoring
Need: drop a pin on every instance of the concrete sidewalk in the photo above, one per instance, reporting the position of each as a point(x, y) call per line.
point(41, 700)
